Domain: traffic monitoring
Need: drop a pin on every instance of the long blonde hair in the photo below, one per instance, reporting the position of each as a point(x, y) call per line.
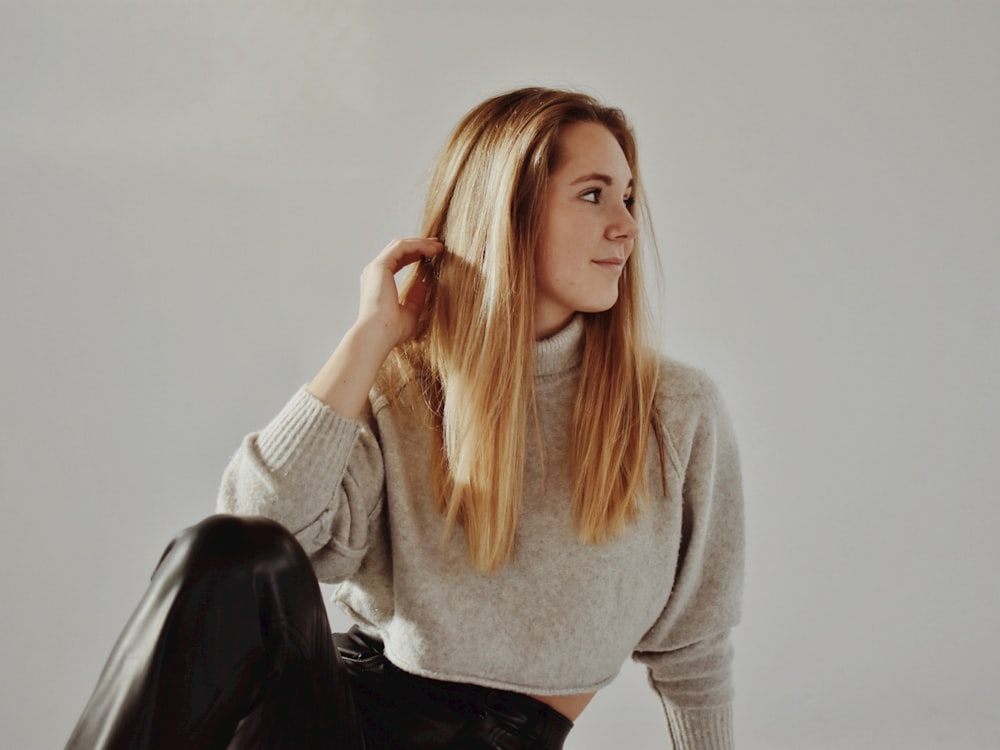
point(474, 359)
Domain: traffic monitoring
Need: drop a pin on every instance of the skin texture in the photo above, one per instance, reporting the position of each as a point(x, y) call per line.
point(383, 322)
point(588, 231)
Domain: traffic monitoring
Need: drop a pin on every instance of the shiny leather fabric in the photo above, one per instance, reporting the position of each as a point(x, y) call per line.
point(401, 710)
point(230, 647)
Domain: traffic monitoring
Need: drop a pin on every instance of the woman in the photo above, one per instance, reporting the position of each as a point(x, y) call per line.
point(512, 489)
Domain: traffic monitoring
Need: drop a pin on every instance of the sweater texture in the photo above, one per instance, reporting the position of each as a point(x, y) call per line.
point(562, 615)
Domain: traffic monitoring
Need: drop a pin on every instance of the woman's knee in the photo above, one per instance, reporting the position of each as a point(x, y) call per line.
point(223, 541)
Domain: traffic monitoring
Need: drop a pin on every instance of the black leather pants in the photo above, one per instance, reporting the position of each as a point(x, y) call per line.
point(230, 647)
point(401, 710)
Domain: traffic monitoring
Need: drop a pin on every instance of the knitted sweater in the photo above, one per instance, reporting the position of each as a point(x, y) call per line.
point(562, 615)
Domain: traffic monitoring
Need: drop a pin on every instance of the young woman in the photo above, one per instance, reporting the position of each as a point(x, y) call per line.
point(512, 489)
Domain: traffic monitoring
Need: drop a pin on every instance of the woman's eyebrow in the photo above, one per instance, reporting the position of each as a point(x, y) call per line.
point(599, 177)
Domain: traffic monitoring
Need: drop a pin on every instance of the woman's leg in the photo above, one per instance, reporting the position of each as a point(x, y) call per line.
point(230, 640)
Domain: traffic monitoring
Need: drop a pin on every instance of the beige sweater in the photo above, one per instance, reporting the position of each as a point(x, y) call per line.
point(561, 616)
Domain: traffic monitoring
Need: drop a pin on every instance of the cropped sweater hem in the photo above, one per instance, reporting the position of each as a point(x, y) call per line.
point(514, 687)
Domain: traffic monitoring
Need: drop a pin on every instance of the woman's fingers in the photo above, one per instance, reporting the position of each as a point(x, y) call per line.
point(378, 277)
point(415, 295)
point(380, 299)
point(400, 253)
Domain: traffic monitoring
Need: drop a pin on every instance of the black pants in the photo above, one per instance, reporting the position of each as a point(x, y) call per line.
point(230, 647)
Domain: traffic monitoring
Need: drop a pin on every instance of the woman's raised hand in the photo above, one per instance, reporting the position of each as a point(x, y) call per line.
point(381, 310)
point(384, 320)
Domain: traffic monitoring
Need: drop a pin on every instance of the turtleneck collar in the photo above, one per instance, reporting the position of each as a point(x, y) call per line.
point(562, 351)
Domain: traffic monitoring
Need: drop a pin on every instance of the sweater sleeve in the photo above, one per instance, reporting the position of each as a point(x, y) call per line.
point(318, 474)
point(688, 651)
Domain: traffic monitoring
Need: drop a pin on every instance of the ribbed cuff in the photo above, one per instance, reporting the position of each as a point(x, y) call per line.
point(306, 437)
point(701, 728)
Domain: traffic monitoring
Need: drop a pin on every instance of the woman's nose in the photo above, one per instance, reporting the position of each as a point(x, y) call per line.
point(624, 226)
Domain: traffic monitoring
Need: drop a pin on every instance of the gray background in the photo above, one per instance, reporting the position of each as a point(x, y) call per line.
point(188, 192)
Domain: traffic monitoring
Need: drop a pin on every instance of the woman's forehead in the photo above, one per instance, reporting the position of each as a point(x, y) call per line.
point(590, 148)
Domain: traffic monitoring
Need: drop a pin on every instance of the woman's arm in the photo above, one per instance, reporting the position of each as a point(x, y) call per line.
point(384, 321)
point(316, 468)
point(688, 650)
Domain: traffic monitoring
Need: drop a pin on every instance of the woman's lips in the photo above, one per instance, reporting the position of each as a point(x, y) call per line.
point(612, 264)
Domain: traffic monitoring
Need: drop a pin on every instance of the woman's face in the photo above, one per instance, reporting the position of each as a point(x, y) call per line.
point(588, 230)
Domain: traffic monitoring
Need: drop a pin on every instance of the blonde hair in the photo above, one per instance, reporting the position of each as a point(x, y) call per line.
point(474, 359)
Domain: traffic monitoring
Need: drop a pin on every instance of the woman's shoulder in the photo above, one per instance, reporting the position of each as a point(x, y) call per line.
point(690, 407)
point(683, 385)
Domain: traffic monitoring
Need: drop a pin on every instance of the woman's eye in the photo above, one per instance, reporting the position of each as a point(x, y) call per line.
point(592, 196)
point(630, 202)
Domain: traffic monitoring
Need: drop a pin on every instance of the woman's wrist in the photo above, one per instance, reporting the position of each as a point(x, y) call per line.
point(344, 381)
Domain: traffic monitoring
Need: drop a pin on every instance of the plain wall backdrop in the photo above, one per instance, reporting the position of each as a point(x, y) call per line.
point(188, 193)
